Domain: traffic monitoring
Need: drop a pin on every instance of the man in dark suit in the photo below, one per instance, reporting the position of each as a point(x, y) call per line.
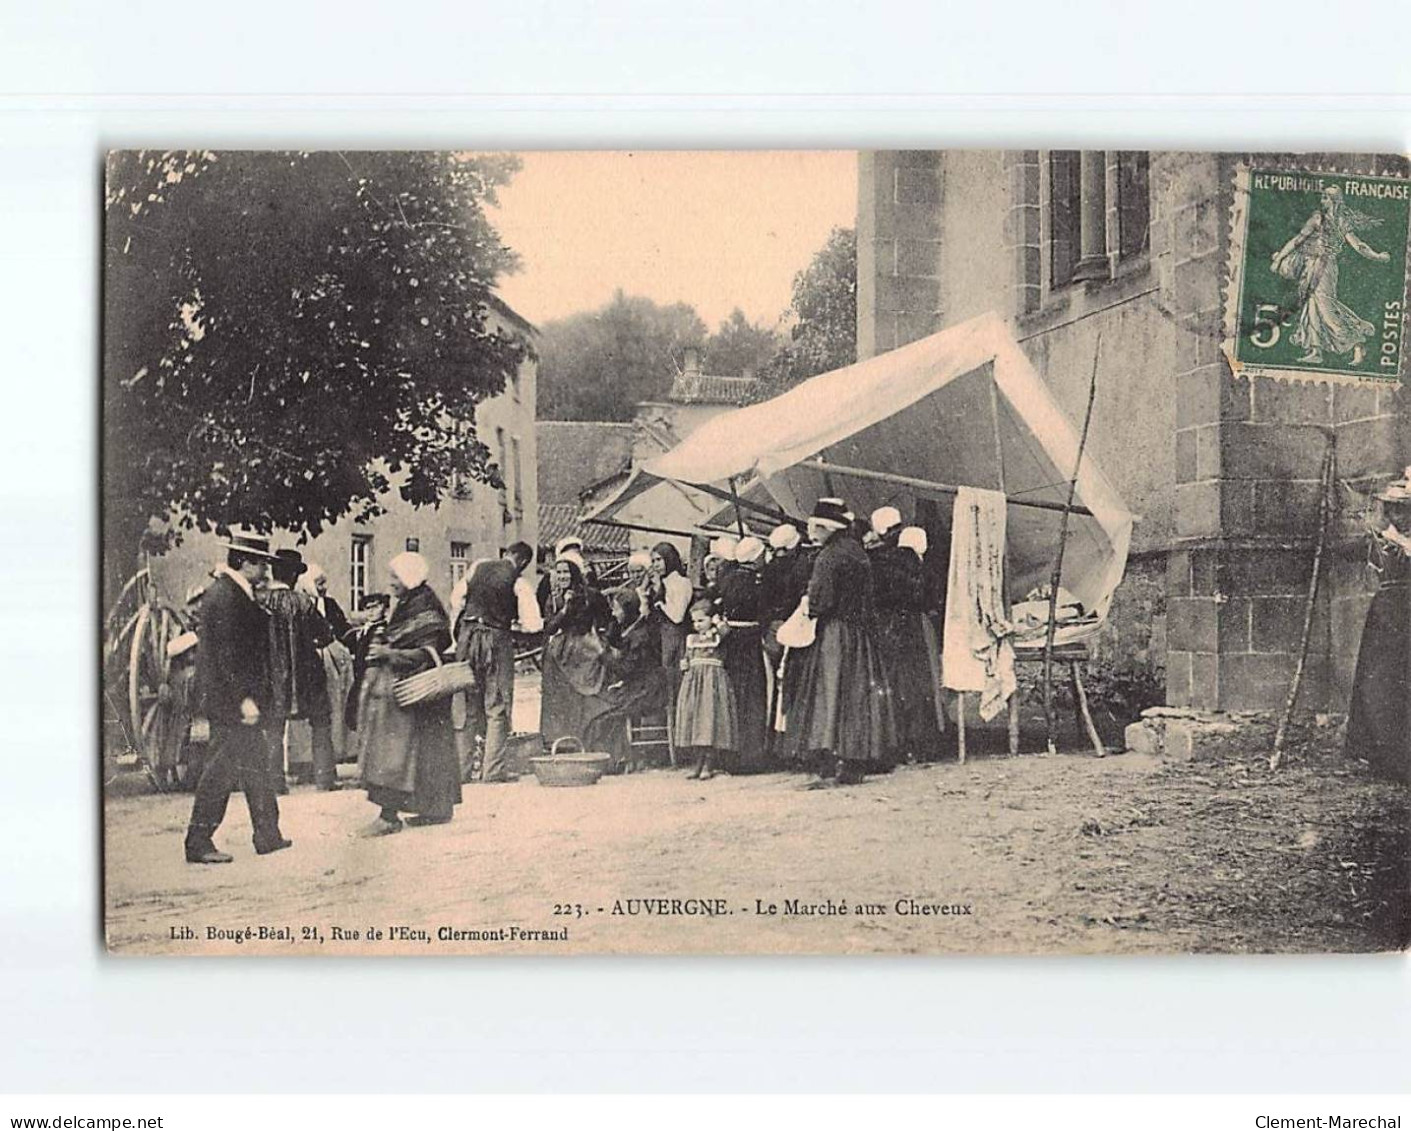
point(232, 678)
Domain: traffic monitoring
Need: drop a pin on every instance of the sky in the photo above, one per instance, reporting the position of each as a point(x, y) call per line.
point(714, 229)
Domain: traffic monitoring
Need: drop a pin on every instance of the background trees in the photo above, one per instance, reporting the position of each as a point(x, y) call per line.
point(600, 364)
point(283, 330)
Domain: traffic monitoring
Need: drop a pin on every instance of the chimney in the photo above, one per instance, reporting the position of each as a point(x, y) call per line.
point(693, 362)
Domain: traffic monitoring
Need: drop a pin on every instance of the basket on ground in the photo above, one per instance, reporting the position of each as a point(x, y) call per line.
point(575, 767)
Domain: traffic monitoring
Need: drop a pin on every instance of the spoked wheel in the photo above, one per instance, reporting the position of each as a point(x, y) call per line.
point(154, 714)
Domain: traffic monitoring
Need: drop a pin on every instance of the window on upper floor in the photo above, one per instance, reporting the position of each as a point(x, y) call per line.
point(1099, 213)
point(1133, 203)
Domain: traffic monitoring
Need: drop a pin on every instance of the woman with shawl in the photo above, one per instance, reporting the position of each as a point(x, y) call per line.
point(636, 682)
point(842, 718)
point(408, 754)
point(910, 648)
point(574, 674)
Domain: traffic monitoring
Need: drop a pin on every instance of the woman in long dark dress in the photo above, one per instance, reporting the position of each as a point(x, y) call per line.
point(637, 684)
point(574, 674)
point(1379, 717)
point(742, 650)
point(408, 754)
point(901, 628)
point(842, 719)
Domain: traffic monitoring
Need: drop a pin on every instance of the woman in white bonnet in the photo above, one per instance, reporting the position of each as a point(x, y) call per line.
point(409, 754)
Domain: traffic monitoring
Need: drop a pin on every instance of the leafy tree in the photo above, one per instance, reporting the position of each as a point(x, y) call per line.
point(824, 313)
point(598, 365)
point(288, 334)
point(738, 346)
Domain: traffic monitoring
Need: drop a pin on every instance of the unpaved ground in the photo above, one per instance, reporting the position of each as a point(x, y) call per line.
point(1050, 854)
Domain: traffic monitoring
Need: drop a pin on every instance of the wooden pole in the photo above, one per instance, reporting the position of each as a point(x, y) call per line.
point(930, 485)
point(1329, 477)
point(1057, 574)
point(735, 498)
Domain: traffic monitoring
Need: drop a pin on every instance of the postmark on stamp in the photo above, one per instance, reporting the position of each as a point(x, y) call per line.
point(1318, 275)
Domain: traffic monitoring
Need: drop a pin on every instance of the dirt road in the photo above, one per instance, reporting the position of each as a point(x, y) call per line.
point(1031, 854)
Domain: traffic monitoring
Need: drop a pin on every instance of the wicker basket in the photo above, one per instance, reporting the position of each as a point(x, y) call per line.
point(574, 768)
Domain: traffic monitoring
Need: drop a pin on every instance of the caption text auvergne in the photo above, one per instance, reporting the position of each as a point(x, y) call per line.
point(636, 908)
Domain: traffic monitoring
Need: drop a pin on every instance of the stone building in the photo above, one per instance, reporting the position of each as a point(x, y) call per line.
point(1133, 246)
point(658, 426)
point(473, 520)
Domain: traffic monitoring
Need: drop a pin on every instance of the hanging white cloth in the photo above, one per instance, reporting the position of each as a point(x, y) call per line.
point(977, 654)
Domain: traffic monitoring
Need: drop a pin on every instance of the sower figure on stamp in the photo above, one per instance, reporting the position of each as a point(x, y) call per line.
point(232, 676)
point(497, 599)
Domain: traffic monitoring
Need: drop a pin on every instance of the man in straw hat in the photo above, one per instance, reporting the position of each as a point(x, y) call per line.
point(232, 675)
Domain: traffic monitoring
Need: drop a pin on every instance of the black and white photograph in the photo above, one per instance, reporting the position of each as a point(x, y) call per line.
point(964, 551)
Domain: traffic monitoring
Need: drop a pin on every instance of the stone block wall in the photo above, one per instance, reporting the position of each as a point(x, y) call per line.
point(898, 248)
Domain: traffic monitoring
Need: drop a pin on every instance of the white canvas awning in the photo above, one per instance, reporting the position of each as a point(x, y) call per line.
point(963, 407)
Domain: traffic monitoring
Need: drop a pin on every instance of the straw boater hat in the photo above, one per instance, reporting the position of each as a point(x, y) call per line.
point(749, 550)
point(784, 537)
point(884, 518)
point(1398, 490)
point(833, 513)
point(248, 543)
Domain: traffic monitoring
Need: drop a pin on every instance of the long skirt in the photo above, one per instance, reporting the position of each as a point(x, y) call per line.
point(644, 694)
point(843, 704)
point(744, 663)
point(407, 757)
point(1379, 718)
point(338, 668)
point(571, 690)
point(706, 715)
point(913, 672)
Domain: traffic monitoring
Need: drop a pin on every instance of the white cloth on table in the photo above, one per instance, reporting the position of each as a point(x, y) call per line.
point(976, 650)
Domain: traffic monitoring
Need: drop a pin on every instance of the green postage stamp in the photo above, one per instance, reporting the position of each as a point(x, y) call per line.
point(1318, 275)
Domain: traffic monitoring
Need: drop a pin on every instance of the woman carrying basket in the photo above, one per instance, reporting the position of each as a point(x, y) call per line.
point(408, 754)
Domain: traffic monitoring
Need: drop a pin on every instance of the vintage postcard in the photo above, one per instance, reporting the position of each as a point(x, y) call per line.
point(896, 551)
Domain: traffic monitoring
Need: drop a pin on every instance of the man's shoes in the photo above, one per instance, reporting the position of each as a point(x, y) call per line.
point(500, 779)
point(420, 822)
point(380, 827)
point(273, 846)
point(207, 856)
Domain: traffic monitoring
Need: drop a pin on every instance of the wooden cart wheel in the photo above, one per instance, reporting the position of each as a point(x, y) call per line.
point(151, 712)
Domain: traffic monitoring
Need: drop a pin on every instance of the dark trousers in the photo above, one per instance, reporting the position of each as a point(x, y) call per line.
point(490, 654)
point(237, 756)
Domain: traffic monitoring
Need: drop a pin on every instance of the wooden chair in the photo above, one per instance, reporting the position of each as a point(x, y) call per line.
point(649, 732)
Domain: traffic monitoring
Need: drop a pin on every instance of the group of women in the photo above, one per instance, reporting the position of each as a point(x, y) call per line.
point(861, 697)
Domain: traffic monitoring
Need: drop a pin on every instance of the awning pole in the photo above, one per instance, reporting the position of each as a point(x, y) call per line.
point(770, 512)
point(644, 529)
point(735, 498)
point(1057, 574)
point(930, 485)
